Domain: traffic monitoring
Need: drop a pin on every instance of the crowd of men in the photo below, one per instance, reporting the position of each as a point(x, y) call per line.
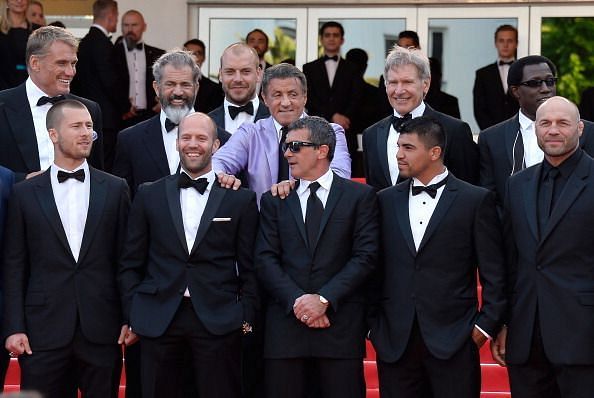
point(231, 255)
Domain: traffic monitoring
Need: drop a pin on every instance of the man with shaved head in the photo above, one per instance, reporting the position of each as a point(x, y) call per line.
point(549, 222)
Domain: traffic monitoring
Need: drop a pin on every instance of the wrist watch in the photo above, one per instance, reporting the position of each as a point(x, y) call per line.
point(323, 300)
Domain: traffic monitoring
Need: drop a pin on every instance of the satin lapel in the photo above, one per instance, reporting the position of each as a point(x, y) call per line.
point(215, 198)
point(334, 196)
point(530, 195)
point(153, 141)
point(45, 197)
point(511, 131)
point(402, 215)
point(269, 139)
point(445, 201)
point(18, 114)
point(218, 115)
point(324, 75)
point(175, 209)
point(97, 196)
point(295, 209)
point(383, 129)
point(262, 112)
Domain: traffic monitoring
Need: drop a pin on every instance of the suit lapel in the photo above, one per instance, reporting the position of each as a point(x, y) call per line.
point(530, 195)
point(445, 201)
point(383, 130)
point(97, 195)
point(22, 128)
point(218, 115)
point(336, 190)
point(175, 209)
point(262, 112)
point(215, 198)
point(295, 209)
point(401, 206)
point(269, 137)
point(153, 142)
point(512, 128)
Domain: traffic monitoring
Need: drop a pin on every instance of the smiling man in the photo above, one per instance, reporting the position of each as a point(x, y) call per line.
point(25, 146)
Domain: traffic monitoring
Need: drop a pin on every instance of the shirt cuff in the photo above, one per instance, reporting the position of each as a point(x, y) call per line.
point(483, 332)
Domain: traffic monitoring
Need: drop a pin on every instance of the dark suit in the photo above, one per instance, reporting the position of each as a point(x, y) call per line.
point(218, 114)
point(496, 153)
point(336, 268)
point(461, 153)
point(550, 287)
point(587, 104)
point(491, 104)
point(18, 142)
point(429, 295)
point(70, 310)
point(210, 95)
point(6, 183)
point(156, 268)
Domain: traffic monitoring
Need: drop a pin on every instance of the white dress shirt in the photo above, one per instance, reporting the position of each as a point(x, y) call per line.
point(170, 145)
point(192, 207)
point(325, 182)
point(243, 117)
point(72, 201)
point(503, 71)
point(331, 67)
point(45, 147)
point(136, 60)
point(532, 152)
point(392, 145)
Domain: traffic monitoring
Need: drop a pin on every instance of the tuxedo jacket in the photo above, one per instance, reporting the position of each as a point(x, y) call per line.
point(123, 74)
point(140, 153)
point(336, 268)
point(496, 145)
point(210, 95)
point(18, 142)
point(50, 294)
point(550, 271)
point(461, 152)
point(436, 284)
point(218, 114)
point(6, 183)
point(344, 95)
point(587, 104)
point(491, 104)
point(157, 267)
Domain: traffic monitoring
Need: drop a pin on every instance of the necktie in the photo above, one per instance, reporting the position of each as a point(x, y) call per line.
point(50, 100)
point(546, 204)
point(430, 189)
point(397, 122)
point(313, 215)
point(283, 165)
point(185, 181)
point(78, 175)
point(236, 110)
point(332, 58)
point(138, 46)
point(505, 62)
point(518, 154)
point(169, 125)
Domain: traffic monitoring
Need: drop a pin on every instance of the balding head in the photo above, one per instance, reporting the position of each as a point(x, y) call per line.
point(196, 143)
point(558, 103)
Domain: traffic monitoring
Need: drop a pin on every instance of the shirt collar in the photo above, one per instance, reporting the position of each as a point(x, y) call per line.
point(163, 116)
point(55, 168)
point(434, 180)
point(255, 102)
point(525, 122)
point(279, 126)
point(325, 182)
point(34, 93)
point(565, 168)
point(210, 177)
point(417, 112)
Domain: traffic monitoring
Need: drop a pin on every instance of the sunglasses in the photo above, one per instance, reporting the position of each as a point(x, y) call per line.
point(550, 82)
point(295, 146)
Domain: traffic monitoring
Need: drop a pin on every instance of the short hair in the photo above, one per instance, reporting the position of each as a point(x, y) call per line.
point(516, 70)
point(430, 132)
point(56, 112)
point(256, 31)
point(237, 49)
point(196, 42)
point(58, 24)
point(41, 40)
point(132, 12)
point(408, 56)
point(506, 28)
point(102, 7)
point(320, 132)
point(178, 59)
point(331, 24)
point(410, 34)
point(283, 71)
point(357, 56)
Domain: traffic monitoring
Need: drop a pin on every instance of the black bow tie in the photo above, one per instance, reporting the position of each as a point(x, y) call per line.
point(169, 125)
point(397, 122)
point(138, 46)
point(236, 110)
point(185, 181)
point(50, 100)
point(506, 62)
point(333, 58)
point(430, 189)
point(77, 175)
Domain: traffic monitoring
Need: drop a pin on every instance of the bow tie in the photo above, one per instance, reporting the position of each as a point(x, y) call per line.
point(77, 175)
point(185, 181)
point(506, 62)
point(169, 125)
point(236, 110)
point(50, 100)
point(397, 122)
point(138, 46)
point(333, 58)
point(430, 189)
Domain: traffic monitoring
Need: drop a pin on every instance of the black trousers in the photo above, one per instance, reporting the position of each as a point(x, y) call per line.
point(216, 360)
point(419, 374)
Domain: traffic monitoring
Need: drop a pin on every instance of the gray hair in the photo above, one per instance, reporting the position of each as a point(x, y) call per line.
point(320, 132)
point(42, 39)
point(178, 59)
point(408, 56)
point(283, 71)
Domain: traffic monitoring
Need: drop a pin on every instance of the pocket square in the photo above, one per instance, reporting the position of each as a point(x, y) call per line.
point(221, 219)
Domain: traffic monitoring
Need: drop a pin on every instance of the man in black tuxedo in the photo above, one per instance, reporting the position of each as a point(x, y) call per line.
point(511, 146)
point(96, 76)
point(62, 312)
point(147, 151)
point(408, 77)
point(210, 95)
point(187, 271)
point(241, 76)
point(6, 183)
point(548, 225)
point(25, 147)
point(258, 40)
point(315, 250)
point(492, 99)
point(435, 230)
point(133, 63)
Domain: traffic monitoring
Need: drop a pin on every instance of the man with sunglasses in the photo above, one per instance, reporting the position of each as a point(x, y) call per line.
point(510, 146)
point(314, 251)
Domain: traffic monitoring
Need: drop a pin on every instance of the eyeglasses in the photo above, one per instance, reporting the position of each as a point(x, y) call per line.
point(550, 82)
point(295, 146)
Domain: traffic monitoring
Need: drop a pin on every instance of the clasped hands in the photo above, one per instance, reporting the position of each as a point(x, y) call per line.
point(311, 311)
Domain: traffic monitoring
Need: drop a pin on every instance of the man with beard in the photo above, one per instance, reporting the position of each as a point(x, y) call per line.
point(133, 62)
point(146, 151)
point(258, 40)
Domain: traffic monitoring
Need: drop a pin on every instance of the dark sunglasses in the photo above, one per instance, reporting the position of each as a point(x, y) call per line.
point(295, 146)
point(550, 82)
